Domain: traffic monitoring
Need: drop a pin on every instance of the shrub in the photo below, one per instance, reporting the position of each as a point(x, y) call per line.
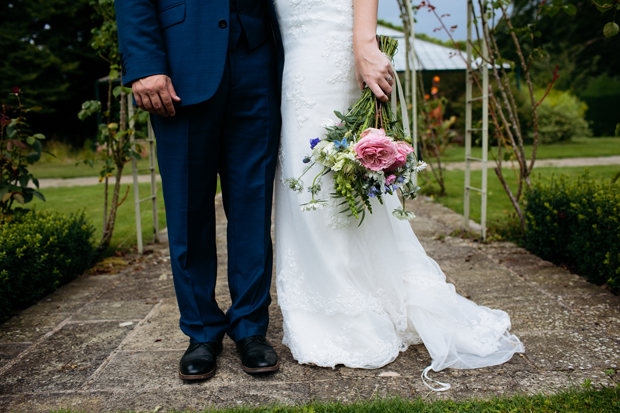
point(38, 253)
point(561, 116)
point(602, 97)
point(576, 221)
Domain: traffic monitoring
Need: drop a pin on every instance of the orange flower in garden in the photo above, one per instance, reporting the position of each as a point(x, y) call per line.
point(427, 97)
point(434, 90)
point(436, 79)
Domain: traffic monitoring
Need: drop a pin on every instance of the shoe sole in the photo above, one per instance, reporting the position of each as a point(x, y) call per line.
point(258, 370)
point(197, 376)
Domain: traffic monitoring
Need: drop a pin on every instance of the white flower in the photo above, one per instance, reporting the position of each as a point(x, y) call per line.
point(402, 214)
point(313, 205)
point(420, 166)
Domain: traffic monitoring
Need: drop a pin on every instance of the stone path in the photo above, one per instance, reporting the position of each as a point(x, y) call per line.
point(111, 342)
point(545, 163)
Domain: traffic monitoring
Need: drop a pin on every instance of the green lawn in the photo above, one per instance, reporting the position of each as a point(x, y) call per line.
point(68, 169)
point(576, 148)
point(498, 204)
point(90, 198)
point(606, 400)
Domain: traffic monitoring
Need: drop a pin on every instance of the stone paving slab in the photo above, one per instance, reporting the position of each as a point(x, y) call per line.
point(111, 342)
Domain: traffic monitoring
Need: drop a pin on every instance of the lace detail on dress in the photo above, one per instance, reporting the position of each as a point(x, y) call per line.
point(297, 98)
point(339, 52)
point(335, 218)
point(295, 293)
point(301, 14)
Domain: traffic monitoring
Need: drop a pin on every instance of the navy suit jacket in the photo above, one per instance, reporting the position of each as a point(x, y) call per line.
point(186, 40)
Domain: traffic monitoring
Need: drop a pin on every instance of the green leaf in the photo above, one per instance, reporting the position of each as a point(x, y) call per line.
point(113, 74)
point(19, 197)
point(127, 90)
point(11, 132)
point(30, 140)
point(617, 130)
point(611, 29)
point(570, 9)
point(39, 195)
point(23, 181)
point(36, 145)
point(117, 91)
point(39, 136)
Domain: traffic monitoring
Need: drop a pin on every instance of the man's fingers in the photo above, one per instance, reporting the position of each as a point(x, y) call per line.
point(138, 99)
point(158, 106)
point(167, 102)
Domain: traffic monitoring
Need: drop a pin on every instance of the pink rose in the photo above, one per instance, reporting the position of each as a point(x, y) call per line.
point(375, 150)
point(390, 179)
point(401, 158)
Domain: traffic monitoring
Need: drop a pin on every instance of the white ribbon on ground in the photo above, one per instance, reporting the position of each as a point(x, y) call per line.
point(444, 386)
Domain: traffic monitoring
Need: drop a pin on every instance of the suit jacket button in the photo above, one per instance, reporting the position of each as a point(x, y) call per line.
point(223, 24)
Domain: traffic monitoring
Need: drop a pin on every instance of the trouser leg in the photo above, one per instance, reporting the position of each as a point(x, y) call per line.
point(247, 166)
point(188, 146)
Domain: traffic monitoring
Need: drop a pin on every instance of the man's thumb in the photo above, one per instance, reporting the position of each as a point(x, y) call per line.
point(172, 92)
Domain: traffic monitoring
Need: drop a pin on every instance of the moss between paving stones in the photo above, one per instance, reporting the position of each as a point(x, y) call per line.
point(573, 401)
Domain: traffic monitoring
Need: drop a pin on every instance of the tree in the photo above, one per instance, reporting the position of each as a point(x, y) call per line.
point(576, 42)
point(46, 52)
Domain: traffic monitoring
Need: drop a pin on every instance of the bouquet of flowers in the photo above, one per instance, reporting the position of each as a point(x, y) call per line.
point(368, 152)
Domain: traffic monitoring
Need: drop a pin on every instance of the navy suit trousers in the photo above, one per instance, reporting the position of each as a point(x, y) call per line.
point(234, 134)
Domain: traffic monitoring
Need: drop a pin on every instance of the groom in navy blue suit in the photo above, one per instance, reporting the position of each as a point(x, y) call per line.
point(210, 72)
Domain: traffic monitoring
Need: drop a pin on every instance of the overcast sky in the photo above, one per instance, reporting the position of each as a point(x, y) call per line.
point(427, 22)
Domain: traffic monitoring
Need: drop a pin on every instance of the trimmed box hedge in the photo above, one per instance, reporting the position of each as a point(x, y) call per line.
point(38, 253)
point(576, 221)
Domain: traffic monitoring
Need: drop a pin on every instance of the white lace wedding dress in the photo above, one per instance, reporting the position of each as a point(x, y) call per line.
point(357, 295)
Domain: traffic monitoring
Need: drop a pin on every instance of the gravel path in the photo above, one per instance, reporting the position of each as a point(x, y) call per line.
point(542, 163)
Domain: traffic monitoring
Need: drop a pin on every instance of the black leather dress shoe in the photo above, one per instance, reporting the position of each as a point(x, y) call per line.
point(198, 362)
point(257, 355)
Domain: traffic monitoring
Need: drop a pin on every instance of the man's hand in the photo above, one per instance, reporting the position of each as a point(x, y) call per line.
point(155, 94)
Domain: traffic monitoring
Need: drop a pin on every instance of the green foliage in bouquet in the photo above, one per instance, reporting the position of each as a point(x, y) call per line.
point(576, 221)
point(38, 253)
point(371, 127)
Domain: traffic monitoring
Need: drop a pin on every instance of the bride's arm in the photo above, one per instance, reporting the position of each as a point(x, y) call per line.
point(372, 68)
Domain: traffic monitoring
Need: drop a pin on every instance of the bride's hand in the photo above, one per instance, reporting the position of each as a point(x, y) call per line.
point(373, 69)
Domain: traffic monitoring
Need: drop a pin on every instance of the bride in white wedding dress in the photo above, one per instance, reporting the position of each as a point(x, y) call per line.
point(358, 295)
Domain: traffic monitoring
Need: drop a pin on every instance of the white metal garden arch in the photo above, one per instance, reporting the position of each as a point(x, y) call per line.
point(472, 66)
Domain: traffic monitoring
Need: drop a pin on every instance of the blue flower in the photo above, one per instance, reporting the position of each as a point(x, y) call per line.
point(373, 192)
point(314, 142)
point(341, 145)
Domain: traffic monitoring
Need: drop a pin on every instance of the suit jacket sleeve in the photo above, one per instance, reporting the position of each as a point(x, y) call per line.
point(142, 50)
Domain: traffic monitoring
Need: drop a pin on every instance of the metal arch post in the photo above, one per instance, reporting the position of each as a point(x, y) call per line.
point(153, 174)
point(485, 126)
point(134, 172)
point(468, 113)
point(468, 122)
point(152, 159)
point(414, 86)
